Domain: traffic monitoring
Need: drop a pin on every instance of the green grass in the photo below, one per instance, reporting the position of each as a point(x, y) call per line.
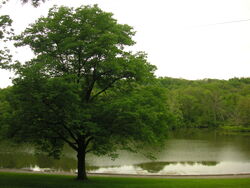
point(236, 128)
point(21, 180)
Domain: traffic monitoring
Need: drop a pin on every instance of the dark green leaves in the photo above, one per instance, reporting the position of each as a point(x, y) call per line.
point(88, 44)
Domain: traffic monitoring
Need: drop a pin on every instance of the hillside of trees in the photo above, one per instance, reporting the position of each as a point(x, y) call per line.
point(208, 102)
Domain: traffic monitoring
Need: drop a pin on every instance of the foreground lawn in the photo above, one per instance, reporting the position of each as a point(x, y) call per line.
point(13, 180)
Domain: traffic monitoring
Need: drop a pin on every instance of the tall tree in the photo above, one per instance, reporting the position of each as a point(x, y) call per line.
point(84, 89)
point(242, 109)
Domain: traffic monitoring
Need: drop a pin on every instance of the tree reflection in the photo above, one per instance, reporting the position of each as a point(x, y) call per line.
point(155, 167)
point(28, 161)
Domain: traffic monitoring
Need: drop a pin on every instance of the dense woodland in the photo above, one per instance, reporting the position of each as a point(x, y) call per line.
point(208, 102)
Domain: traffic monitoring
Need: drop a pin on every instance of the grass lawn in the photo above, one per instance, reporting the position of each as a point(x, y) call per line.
point(14, 180)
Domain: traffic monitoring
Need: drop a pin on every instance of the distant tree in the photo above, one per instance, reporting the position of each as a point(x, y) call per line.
point(242, 109)
point(201, 105)
point(5, 110)
point(84, 89)
point(174, 105)
point(191, 106)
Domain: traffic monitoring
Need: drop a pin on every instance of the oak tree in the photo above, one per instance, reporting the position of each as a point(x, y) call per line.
point(84, 89)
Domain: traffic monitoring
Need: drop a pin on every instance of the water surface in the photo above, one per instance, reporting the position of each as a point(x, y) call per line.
point(186, 152)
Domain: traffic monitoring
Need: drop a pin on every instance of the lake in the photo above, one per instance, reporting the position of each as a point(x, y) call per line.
point(186, 152)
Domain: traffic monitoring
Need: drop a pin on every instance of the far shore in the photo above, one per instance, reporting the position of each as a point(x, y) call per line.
point(208, 176)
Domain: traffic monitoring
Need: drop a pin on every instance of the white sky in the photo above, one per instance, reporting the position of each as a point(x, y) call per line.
point(182, 37)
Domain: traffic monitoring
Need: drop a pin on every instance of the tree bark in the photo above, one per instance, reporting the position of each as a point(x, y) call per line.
point(81, 174)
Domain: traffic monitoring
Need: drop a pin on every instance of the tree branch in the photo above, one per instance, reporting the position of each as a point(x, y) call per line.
point(104, 89)
point(55, 129)
point(71, 144)
point(63, 125)
point(70, 132)
point(91, 84)
point(88, 141)
point(79, 66)
point(89, 150)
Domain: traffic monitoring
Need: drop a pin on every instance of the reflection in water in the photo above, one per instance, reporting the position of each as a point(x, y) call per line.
point(177, 168)
point(155, 167)
point(18, 160)
point(30, 161)
point(209, 163)
point(189, 151)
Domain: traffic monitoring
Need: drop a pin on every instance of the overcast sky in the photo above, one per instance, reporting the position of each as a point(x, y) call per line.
point(191, 39)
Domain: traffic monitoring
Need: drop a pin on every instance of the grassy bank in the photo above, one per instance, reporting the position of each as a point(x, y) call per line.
point(236, 129)
point(19, 180)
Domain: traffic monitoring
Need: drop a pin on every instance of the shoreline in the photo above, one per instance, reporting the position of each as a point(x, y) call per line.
point(202, 176)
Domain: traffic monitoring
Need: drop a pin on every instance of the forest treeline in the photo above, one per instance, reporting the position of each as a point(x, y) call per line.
point(194, 103)
point(208, 102)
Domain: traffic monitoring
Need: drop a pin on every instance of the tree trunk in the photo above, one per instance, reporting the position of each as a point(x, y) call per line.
point(81, 174)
